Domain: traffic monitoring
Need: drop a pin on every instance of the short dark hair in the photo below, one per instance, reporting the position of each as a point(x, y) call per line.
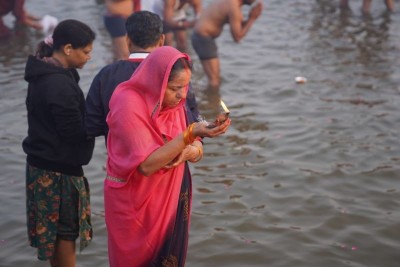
point(70, 31)
point(144, 28)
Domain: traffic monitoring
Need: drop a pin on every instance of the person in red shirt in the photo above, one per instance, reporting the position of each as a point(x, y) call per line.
point(19, 12)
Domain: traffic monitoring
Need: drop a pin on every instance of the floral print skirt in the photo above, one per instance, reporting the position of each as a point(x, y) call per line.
point(58, 205)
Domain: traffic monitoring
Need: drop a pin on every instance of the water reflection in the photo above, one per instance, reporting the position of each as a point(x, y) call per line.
point(356, 51)
point(342, 31)
point(17, 47)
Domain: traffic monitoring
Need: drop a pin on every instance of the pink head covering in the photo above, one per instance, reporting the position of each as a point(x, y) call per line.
point(141, 212)
point(137, 123)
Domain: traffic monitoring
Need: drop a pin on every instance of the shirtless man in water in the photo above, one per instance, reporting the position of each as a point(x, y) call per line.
point(117, 11)
point(210, 25)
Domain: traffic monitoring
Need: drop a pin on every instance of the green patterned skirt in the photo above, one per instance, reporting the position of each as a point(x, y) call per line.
point(57, 205)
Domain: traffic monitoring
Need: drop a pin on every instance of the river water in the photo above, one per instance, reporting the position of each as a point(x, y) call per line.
point(307, 175)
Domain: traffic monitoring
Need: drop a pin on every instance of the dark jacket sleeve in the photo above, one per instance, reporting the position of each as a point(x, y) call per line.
point(66, 104)
point(192, 111)
point(94, 119)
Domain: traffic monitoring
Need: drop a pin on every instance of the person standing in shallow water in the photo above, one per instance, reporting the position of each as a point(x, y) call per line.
point(144, 32)
point(58, 201)
point(147, 190)
point(117, 11)
point(209, 26)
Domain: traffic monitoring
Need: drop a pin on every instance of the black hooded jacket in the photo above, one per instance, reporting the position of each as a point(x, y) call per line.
point(55, 103)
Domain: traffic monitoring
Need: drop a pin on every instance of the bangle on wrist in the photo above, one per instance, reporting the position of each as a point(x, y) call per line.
point(188, 136)
point(200, 155)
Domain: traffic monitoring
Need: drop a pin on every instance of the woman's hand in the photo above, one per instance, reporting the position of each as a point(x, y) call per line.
point(31, 21)
point(197, 155)
point(192, 153)
point(201, 129)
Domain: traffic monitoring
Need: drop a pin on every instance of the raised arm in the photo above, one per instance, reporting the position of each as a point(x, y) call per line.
point(239, 26)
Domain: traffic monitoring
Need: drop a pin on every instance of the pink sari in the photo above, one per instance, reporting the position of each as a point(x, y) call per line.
point(141, 212)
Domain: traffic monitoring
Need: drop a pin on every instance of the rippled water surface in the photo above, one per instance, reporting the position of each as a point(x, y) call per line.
point(308, 174)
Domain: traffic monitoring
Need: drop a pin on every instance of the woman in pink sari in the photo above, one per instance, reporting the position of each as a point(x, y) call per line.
point(148, 186)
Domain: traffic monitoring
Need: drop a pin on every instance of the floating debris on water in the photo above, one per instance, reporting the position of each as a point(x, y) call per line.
point(300, 79)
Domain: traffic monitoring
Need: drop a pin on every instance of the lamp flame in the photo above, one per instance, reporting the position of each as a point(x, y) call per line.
point(226, 110)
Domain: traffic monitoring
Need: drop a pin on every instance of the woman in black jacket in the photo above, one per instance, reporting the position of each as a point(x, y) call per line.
point(58, 207)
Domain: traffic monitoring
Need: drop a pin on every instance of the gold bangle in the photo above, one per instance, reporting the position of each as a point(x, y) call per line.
point(188, 136)
point(191, 136)
point(200, 154)
point(200, 151)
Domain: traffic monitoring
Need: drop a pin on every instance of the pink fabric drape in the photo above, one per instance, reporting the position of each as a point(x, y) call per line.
point(140, 213)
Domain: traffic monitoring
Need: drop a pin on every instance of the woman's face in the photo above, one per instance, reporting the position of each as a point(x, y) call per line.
point(79, 56)
point(176, 88)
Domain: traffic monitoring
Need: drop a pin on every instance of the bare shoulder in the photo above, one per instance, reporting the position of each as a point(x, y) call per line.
point(119, 7)
point(220, 11)
point(223, 6)
point(213, 17)
point(169, 3)
point(229, 5)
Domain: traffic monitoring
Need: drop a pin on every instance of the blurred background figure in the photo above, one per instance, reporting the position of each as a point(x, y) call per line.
point(174, 14)
point(144, 31)
point(366, 5)
point(16, 7)
point(117, 11)
point(210, 25)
